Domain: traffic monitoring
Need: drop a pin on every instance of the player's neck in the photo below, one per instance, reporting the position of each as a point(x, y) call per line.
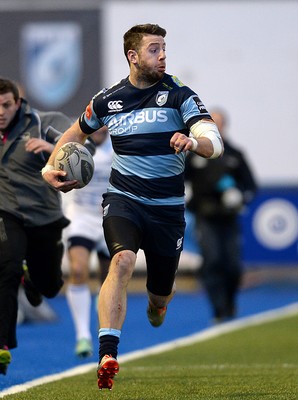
point(141, 83)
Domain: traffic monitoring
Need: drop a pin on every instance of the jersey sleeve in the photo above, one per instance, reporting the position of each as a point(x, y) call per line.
point(88, 121)
point(193, 110)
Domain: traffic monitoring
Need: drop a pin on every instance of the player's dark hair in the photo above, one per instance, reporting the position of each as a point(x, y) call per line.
point(8, 86)
point(133, 37)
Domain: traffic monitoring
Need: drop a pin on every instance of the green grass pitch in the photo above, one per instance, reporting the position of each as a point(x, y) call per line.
point(253, 363)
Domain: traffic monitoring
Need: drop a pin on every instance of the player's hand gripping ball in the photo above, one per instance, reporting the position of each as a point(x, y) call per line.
point(76, 160)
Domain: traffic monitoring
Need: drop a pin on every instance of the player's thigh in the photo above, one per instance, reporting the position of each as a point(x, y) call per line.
point(121, 234)
point(122, 223)
point(162, 246)
point(165, 228)
point(161, 272)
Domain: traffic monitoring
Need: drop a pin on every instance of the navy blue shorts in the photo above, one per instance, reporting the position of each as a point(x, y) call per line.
point(158, 230)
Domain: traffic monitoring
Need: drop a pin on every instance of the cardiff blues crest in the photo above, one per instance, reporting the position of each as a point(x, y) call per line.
point(51, 60)
point(161, 98)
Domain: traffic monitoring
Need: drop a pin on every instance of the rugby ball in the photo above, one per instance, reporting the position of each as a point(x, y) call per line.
point(76, 160)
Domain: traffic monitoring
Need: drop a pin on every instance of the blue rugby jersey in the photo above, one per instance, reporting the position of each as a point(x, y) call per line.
point(141, 123)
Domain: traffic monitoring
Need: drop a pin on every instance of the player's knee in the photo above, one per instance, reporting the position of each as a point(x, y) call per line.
point(124, 263)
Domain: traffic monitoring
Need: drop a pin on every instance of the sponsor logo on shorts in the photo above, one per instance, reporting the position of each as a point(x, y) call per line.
point(106, 210)
point(179, 243)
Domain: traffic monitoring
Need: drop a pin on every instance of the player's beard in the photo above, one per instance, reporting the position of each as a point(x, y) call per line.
point(148, 75)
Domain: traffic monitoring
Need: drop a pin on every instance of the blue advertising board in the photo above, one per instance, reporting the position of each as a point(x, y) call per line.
point(270, 227)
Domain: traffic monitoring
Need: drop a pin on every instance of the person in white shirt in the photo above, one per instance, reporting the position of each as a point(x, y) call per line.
point(84, 236)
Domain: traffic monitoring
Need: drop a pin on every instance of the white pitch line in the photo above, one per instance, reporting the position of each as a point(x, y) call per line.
point(206, 334)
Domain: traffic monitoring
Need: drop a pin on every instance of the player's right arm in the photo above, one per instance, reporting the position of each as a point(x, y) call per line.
point(52, 176)
point(78, 132)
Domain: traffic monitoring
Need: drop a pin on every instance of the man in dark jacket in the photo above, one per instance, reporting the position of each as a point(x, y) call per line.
point(220, 189)
point(31, 218)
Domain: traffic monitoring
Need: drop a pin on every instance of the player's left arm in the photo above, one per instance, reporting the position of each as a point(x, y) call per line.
point(204, 140)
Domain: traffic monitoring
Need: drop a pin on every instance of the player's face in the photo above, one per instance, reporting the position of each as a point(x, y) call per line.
point(8, 109)
point(151, 58)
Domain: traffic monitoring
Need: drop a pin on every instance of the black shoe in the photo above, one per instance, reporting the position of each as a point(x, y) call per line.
point(32, 294)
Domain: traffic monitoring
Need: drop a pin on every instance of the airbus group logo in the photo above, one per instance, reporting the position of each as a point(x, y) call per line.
point(115, 105)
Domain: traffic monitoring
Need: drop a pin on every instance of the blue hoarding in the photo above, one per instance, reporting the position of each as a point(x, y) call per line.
point(270, 227)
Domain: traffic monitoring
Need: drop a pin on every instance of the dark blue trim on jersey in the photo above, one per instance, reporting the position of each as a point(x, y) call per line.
point(194, 120)
point(150, 144)
point(85, 127)
point(158, 188)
